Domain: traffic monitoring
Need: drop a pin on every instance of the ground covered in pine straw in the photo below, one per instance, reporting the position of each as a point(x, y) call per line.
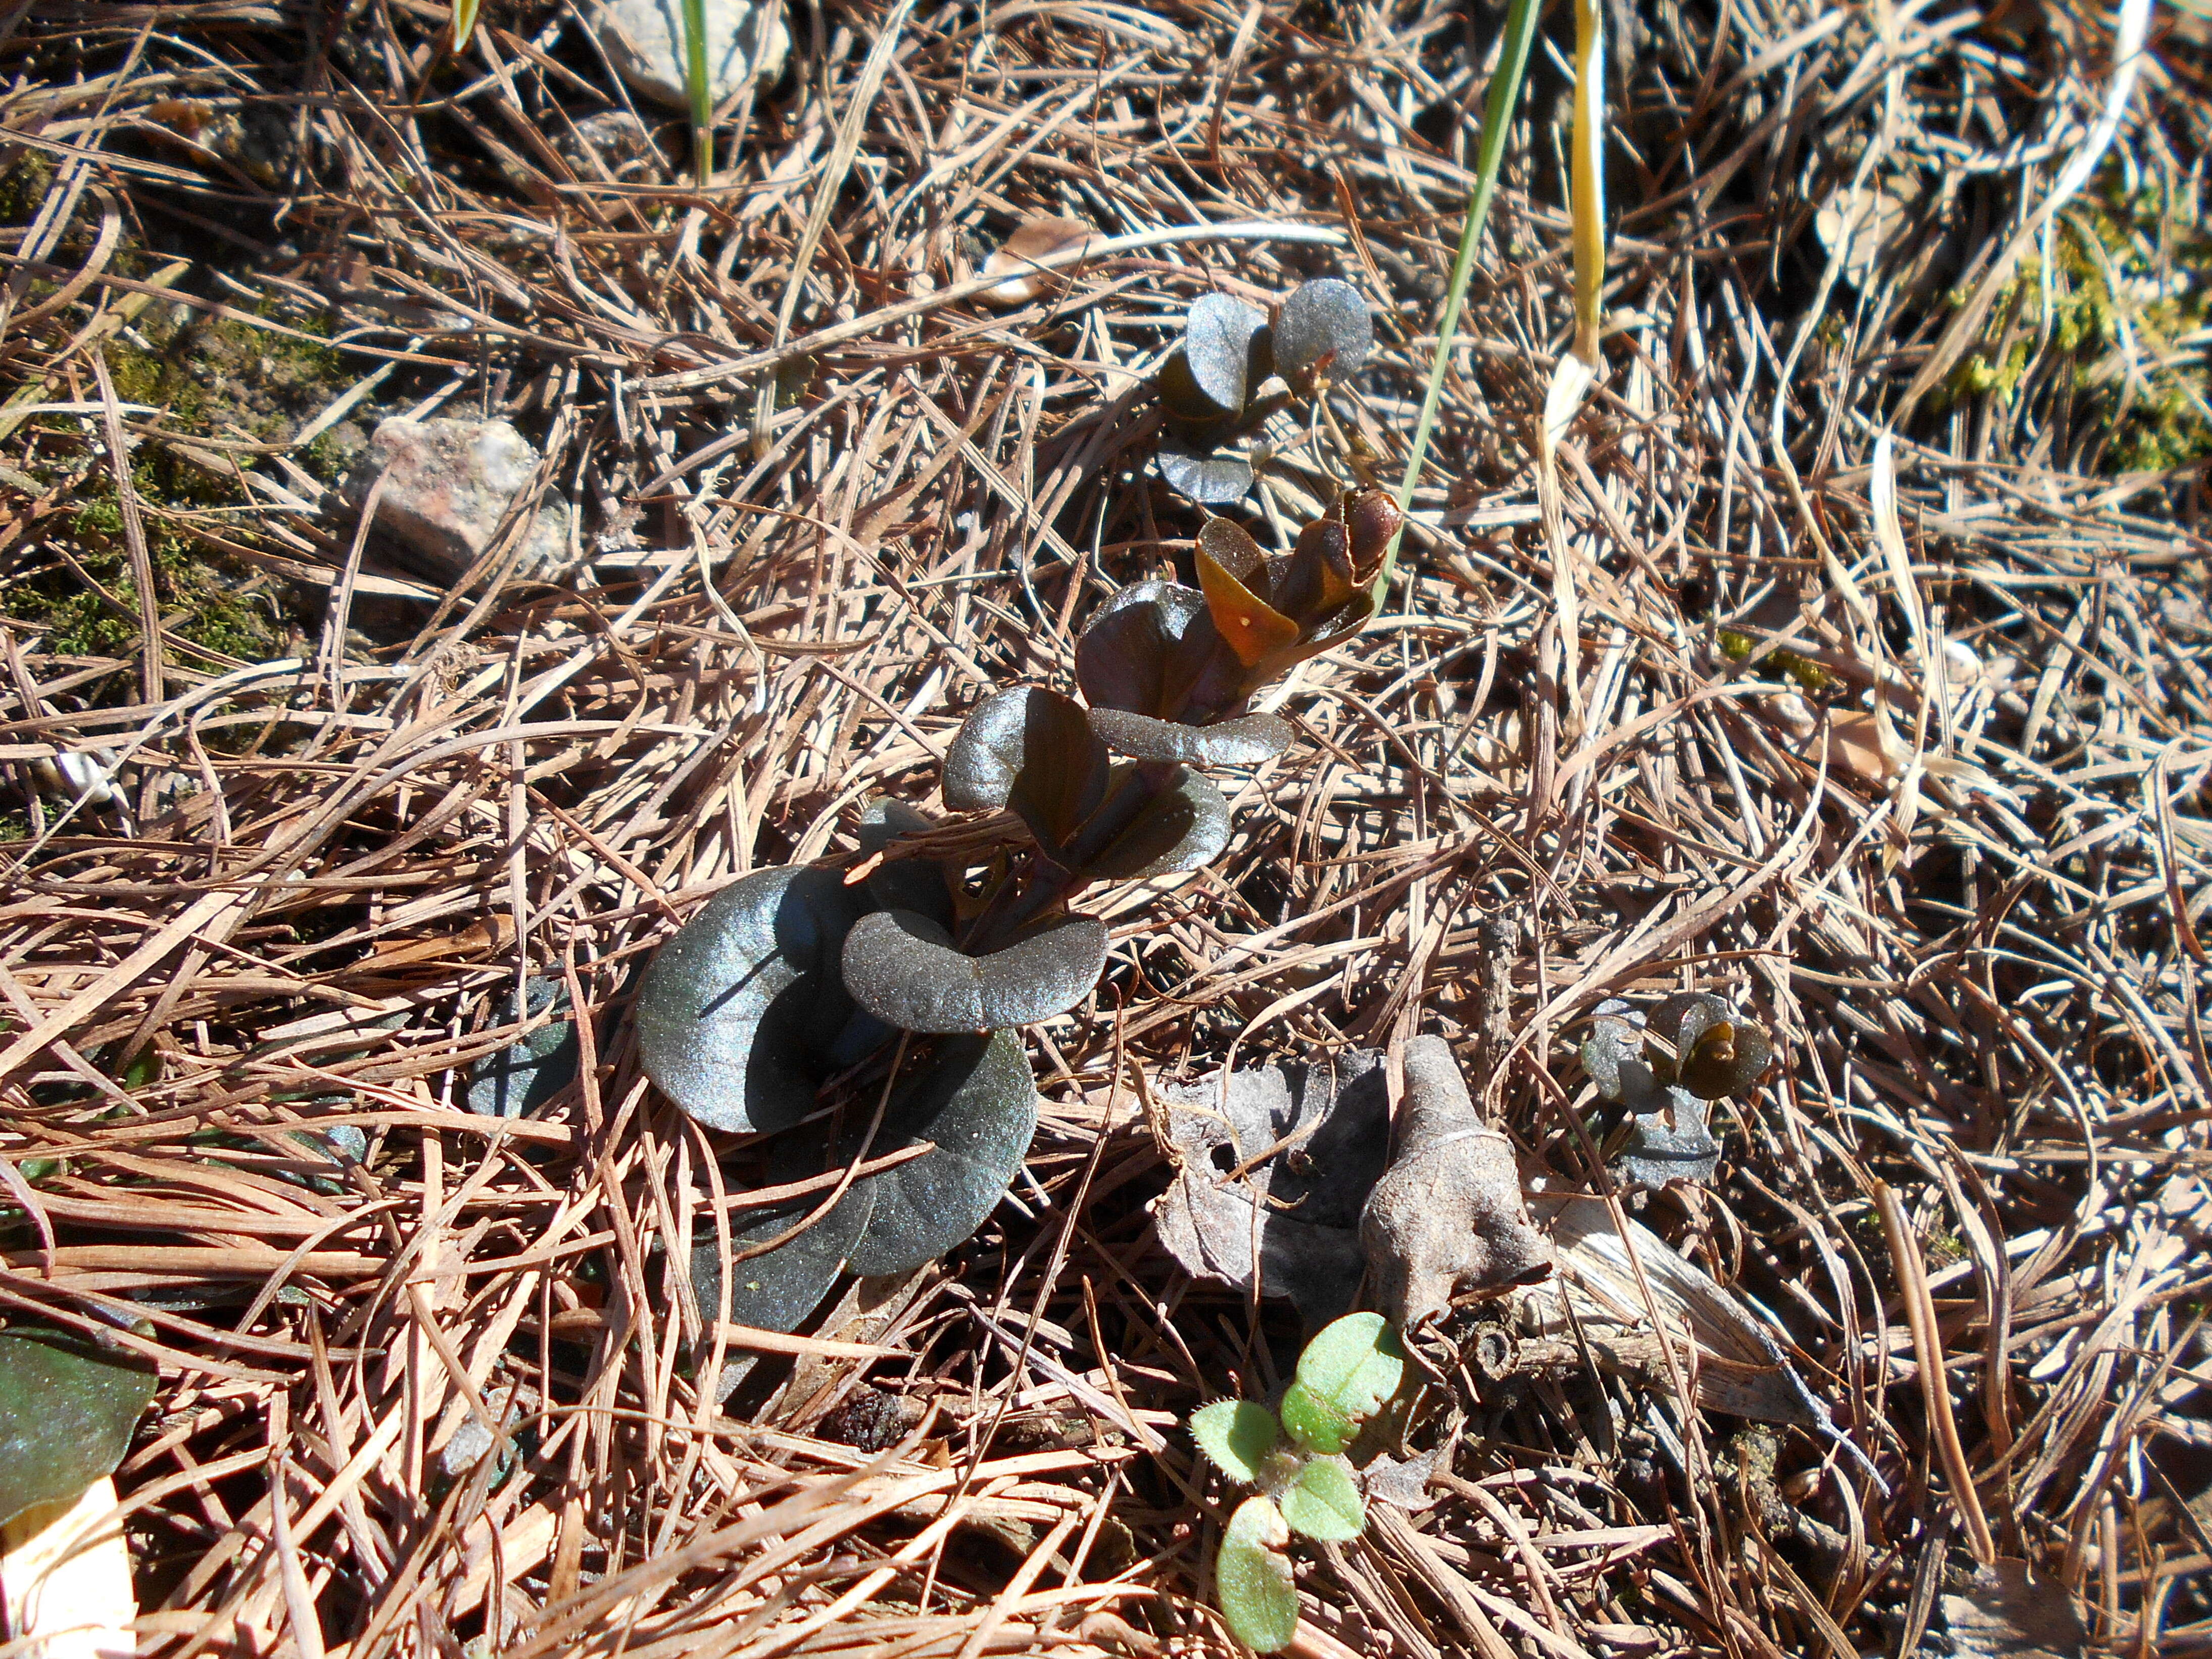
point(1935, 812)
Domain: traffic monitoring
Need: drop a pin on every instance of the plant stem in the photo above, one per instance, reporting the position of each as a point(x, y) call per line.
point(1497, 121)
point(1588, 177)
point(695, 74)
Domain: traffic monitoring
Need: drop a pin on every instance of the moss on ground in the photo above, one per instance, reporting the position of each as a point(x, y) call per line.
point(214, 378)
point(2130, 279)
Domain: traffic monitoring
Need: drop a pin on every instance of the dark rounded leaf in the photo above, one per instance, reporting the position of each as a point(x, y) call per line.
point(1671, 1142)
point(1214, 477)
point(916, 883)
point(1717, 1051)
point(1122, 658)
point(67, 1407)
point(1613, 1055)
point(987, 753)
point(1223, 349)
point(1181, 397)
point(1324, 332)
point(520, 1079)
point(1727, 1059)
point(1179, 828)
point(1030, 748)
point(777, 1290)
point(903, 967)
point(737, 1013)
point(977, 1102)
point(1242, 742)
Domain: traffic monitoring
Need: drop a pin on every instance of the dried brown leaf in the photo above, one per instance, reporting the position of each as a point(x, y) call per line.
point(1016, 258)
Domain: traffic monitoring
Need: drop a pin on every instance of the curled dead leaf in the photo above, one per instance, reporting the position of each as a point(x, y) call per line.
point(1863, 743)
point(1447, 1216)
point(1016, 260)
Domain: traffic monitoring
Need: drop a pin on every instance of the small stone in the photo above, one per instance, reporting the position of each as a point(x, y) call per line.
point(644, 41)
point(614, 145)
point(869, 1420)
point(448, 485)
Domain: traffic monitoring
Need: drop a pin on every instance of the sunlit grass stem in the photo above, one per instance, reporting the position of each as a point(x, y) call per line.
point(1496, 122)
point(1587, 176)
point(703, 107)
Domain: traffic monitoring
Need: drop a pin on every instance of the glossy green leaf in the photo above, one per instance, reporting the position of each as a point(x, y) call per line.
point(67, 1408)
point(1252, 1577)
point(744, 1011)
point(1346, 1373)
point(522, 1078)
point(903, 967)
point(1322, 1502)
point(1237, 1436)
point(1324, 332)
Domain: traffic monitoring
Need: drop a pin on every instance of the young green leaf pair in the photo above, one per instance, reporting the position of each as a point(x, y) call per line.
point(1346, 1376)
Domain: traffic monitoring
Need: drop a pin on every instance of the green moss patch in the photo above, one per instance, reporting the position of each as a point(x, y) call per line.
point(2130, 279)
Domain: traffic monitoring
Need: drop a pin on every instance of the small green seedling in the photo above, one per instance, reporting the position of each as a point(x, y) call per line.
point(1346, 1376)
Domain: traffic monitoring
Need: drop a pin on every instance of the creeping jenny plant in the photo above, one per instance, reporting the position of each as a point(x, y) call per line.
point(792, 975)
point(1346, 1376)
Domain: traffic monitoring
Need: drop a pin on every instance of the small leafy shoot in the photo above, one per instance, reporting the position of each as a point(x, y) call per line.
point(1238, 1436)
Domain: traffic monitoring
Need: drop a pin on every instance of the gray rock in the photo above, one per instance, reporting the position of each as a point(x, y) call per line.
point(615, 145)
point(644, 41)
point(448, 485)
